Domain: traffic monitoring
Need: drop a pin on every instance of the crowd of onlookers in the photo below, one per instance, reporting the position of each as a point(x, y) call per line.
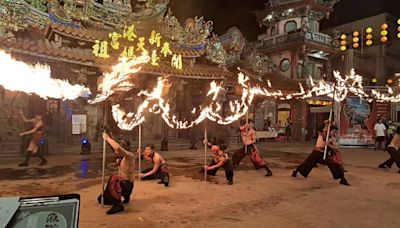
point(283, 130)
point(384, 132)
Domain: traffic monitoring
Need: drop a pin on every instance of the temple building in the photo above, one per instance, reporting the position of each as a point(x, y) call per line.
point(82, 40)
point(294, 49)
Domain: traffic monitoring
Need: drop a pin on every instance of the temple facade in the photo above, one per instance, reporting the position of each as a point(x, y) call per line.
point(293, 48)
point(78, 40)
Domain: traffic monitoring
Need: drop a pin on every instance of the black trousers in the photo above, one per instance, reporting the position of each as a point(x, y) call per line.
point(318, 157)
point(228, 167)
point(160, 174)
point(394, 157)
point(126, 187)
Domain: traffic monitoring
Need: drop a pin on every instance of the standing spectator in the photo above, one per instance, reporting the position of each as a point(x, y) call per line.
point(288, 129)
point(380, 132)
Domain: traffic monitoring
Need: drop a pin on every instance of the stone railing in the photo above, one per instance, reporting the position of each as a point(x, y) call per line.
point(299, 36)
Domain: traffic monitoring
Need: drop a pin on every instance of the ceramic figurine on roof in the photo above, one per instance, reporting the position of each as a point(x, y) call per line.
point(149, 8)
point(261, 64)
point(195, 32)
point(216, 52)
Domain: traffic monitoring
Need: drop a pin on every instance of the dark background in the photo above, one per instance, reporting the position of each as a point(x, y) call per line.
point(240, 13)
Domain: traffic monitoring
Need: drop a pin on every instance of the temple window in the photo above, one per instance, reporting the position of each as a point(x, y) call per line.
point(273, 31)
point(290, 26)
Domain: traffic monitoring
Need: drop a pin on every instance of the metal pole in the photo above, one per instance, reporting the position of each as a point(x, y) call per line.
point(205, 149)
point(104, 155)
point(140, 149)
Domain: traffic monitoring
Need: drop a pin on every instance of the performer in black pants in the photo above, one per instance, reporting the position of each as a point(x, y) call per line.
point(317, 155)
point(393, 150)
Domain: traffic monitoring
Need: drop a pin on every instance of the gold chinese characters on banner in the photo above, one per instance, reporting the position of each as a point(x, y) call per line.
point(136, 45)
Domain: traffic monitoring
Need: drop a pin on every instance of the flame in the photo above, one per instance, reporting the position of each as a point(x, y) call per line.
point(116, 80)
point(36, 79)
point(155, 102)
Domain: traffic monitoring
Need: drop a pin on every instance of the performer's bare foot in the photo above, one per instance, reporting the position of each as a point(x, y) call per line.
point(382, 166)
point(343, 181)
point(269, 173)
point(294, 174)
point(230, 182)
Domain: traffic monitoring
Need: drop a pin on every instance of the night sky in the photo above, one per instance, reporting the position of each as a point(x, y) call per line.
point(240, 13)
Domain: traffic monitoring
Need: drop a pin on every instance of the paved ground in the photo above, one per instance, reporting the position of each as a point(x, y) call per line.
point(254, 200)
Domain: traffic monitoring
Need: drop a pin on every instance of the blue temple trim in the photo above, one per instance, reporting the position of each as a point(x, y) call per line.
point(55, 19)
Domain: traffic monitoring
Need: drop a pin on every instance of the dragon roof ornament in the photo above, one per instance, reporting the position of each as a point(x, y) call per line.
point(194, 33)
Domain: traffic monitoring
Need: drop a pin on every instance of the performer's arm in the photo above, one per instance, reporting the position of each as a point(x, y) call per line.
point(219, 164)
point(118, 150)
point(156, 165)
point(253, 135)
point(33, 130)
point(333, 145)
point(24, 118)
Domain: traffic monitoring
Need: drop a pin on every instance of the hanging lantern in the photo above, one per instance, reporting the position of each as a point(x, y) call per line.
point(374, 80)
point(368, 42)
point(384, 33)
point(356, 33)
point(343, 42)
point(369, 30)
point(356, 45)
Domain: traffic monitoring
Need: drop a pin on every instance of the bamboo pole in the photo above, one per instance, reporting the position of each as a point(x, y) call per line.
point(205, 149)
point(140, 149)
point(330, 122)
point(104, 155)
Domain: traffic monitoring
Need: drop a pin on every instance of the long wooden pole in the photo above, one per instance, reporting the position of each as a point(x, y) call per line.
point(247, 130)
point(104, 155)
point(205, 149)
point(330, 122)
point(140, 149)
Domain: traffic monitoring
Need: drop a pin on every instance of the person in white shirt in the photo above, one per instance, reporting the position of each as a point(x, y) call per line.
point(380, 133)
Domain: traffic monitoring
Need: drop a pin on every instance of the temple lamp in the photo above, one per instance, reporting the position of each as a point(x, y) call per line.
point(86, 147)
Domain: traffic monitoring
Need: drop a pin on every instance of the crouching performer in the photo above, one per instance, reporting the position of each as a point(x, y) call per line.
point(119, 187)
point(220, 159)
point(159, 169)
point(317, 156)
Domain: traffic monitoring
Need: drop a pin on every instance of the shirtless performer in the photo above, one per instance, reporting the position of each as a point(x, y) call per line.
point(248, 135)
point(120, 186)
point(159, 169)
point(37, 136)
point(317, 155)
point(220, 159)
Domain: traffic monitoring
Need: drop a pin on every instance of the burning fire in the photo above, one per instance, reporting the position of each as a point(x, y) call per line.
point(155, 102)
point(36, 79)
point(118, 78)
